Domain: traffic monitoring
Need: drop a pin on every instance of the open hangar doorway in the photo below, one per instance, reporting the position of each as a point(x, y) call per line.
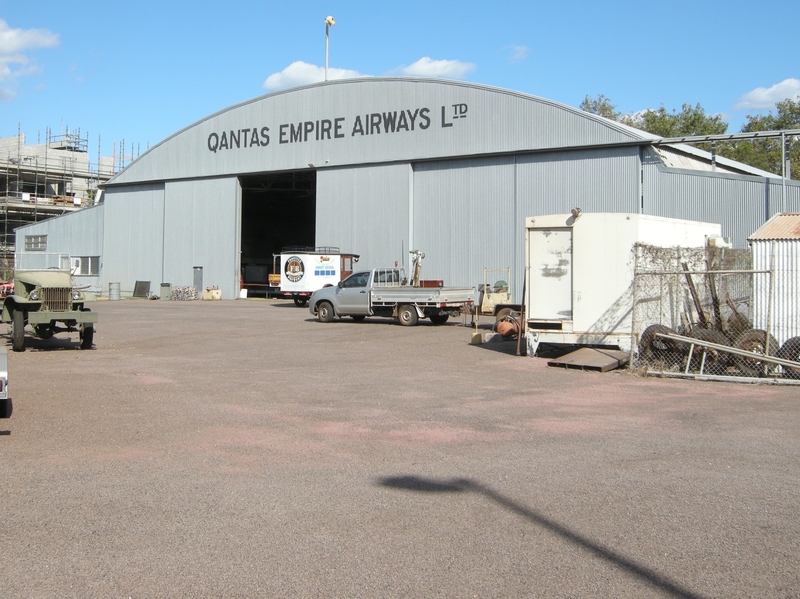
point(278, 210)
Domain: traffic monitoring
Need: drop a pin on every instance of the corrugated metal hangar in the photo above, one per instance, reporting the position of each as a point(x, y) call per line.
point(381, 166)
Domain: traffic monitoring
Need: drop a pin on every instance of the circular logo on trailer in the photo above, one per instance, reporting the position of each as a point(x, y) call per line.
point(294, 269)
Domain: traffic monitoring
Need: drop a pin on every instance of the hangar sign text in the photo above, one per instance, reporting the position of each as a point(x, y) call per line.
point(374, 123)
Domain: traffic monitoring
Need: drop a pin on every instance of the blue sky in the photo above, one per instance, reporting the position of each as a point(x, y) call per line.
point(140, 71)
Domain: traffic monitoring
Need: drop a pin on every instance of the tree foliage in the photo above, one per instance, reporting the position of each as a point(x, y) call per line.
point(693, 120)
point(601, 106)
point(766, 153)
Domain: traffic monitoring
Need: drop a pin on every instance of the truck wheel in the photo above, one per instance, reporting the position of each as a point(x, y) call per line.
point(6, 407)
point(18, 330)
point(438, 319)
point(300, 302)
point(325, 312)
point(87, 336)
point(407, 315)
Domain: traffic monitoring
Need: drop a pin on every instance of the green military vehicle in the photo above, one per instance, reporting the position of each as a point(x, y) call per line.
point(46, 300)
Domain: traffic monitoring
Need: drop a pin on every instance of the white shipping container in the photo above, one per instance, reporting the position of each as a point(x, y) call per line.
point(579, 287)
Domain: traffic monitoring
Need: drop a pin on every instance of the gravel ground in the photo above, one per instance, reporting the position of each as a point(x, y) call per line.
point(242, 449)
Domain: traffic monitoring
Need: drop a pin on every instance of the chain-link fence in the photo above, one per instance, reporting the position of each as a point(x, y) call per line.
point(702, 294)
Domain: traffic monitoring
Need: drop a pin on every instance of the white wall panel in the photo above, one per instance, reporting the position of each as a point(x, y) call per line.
point(470, 214)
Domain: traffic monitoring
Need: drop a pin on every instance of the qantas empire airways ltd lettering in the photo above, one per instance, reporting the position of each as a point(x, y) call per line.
point(375, 123)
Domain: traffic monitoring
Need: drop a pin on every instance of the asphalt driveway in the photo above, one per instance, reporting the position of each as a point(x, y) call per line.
point(242, 449)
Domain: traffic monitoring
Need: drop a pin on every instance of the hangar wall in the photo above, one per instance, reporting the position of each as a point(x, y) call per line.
point(202, 220)
point(740, 203)
point(134, 236)
point(81, 232)
point(159, 232)
point(463, 218)
point(469, 214)
point(365, 210)
point(370, 121)
point(449, 168)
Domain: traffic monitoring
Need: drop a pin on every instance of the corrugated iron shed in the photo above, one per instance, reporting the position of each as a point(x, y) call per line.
point(783, 226)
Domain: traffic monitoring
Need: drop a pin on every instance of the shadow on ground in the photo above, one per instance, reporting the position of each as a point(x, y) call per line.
point(464, 485)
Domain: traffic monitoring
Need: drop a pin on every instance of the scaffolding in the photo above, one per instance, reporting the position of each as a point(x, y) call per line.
point(47, 179)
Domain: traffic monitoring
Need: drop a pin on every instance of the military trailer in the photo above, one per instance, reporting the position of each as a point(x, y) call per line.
point(46, 300)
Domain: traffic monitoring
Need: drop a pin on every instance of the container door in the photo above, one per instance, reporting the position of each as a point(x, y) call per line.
point(198, 278)
point(550, 280)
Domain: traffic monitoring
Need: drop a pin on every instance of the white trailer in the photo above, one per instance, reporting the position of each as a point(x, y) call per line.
point(303, 270)
point(580, 268)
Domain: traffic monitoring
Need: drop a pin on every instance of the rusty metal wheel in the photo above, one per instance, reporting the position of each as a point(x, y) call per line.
point(755, 340)
point(791, 351)
point(716, 361)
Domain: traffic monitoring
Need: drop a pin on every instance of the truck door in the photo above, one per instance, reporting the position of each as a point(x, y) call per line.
point(353, 295)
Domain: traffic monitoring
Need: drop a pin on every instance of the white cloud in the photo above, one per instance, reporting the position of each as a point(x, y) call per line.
point(763, 98)
point(427, 67)
point(13, 45)
point(301, 73)
point(517, 53)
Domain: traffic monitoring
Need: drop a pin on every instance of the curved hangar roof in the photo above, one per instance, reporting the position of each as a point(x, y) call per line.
point(371, 120)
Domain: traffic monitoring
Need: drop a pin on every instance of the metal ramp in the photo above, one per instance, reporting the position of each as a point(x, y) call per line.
point(591, 358)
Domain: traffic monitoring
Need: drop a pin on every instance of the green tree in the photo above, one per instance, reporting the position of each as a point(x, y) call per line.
point(600, 106)
point(691, 120)
point(766, 153)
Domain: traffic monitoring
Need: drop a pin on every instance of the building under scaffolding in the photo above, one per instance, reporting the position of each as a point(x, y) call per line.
point(44, 180)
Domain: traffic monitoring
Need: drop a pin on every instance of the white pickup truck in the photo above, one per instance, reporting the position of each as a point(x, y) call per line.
point(380, 292)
